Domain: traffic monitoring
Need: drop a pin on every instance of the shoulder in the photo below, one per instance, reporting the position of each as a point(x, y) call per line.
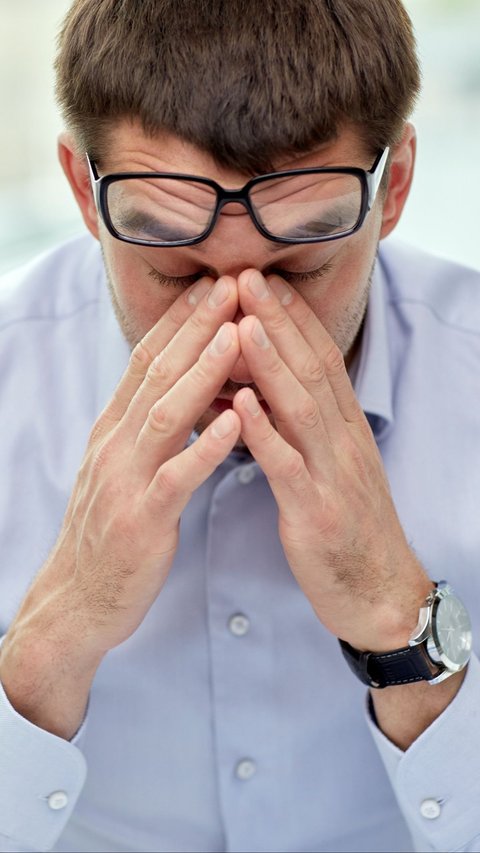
point(447, 291)
point(54, 285)
point(50, 311)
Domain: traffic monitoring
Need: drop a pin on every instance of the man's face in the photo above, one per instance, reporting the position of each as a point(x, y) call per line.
point(333, 277)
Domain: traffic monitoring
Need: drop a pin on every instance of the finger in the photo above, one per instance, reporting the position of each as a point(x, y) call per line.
point(310, 327)
point(343, 390)
point(282, 464)
point(181, 313)
point(176, 480)
point(304, 362)
point(170, 421)
point(179, 353)
point(298, 416)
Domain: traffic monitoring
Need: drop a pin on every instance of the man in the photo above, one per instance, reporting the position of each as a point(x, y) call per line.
point(236, 433)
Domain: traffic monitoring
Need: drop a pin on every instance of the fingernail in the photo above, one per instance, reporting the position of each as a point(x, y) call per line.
point(218, 294)
point(222, 341)
point(251, 404)
point(198, 291)
point(258, 286)
point(223, 425)
point(259, 337)
point(281, 291)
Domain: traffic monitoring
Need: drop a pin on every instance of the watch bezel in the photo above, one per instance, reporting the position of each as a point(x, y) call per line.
point(426, 634)
point(434, 646)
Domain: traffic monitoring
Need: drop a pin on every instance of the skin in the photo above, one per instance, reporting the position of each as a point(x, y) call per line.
point(291, 344)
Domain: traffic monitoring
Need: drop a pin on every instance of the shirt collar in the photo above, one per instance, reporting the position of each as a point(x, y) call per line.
point(373, 379)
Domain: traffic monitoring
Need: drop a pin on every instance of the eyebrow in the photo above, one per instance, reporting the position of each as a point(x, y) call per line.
point(155, 229)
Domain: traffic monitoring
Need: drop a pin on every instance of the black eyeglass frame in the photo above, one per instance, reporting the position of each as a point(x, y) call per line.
point(370, 181)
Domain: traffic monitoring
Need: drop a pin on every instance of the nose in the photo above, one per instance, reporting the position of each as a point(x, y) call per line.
point(234, 246)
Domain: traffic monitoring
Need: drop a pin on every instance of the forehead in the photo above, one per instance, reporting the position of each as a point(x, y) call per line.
point(130, 149)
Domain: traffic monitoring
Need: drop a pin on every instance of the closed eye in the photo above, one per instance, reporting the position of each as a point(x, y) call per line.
point(175, 281)
point(289, 275)
point(301, 277)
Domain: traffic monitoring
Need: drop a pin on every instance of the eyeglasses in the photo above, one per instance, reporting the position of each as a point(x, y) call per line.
point(297, 206)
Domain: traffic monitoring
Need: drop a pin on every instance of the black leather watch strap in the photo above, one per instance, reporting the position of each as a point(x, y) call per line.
point(401, 666)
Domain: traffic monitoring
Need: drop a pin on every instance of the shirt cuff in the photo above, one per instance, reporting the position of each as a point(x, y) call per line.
point(41, 778)
point(437, 779)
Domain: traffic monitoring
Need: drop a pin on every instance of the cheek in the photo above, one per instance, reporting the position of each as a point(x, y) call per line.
point(339, 293)
point(139, 296)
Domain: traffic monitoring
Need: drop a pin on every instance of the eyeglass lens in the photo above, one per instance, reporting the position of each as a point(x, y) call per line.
point(298, 206)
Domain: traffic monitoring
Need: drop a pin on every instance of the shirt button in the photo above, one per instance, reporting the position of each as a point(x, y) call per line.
point(245, 769)
point(57, 800)
point(239, 625)
point(246, 474)
point(430, 809)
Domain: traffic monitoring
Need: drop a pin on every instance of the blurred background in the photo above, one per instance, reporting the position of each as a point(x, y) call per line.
point(442, 214)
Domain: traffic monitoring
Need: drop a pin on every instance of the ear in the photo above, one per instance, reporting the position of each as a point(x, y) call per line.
point(400, 180)
point(77, 174)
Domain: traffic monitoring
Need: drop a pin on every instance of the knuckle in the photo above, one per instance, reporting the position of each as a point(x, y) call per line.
point(203, 453)
point(197, 324)
point(207, 369)
point(110, 493)
point(365, 431)
point(294, 466)
point(101, 459)
point(140, 358)
point(127, 528)
point(168, 483)
point(351, 452)
point(314, 370)
point(98, 431)
point(334, 360)
point(279, 321)
point(276, 369)
point(160, 370)
point(159, 419)
point(308, 414)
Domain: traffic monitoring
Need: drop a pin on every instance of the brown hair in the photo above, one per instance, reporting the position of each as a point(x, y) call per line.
point(244, 80)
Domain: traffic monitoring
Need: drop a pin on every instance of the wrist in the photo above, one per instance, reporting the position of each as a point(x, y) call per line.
point(404, 713)
point(438, 648)
point(390, 623)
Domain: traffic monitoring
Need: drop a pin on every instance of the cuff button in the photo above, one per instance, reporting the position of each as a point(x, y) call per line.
point(57, 800)
point(430, 809)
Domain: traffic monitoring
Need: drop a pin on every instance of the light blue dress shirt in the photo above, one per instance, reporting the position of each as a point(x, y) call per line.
point(229, 721)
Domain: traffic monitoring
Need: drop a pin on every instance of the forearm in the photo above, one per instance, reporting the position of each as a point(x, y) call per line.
point(47, 674)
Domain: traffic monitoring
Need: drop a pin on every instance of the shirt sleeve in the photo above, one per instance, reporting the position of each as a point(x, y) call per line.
point(437, 779)
point(41, 778)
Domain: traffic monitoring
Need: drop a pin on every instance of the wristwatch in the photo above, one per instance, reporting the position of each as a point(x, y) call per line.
point(439, 646)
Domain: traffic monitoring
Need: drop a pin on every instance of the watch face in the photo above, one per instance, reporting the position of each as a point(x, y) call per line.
point(452, 632)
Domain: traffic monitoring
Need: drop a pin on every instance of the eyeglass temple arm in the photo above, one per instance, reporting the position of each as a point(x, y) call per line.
point(374, 178)
point(94, 181)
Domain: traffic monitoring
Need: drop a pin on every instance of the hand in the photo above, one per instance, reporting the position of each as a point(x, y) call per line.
point(337, 522)
point(120, 530)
